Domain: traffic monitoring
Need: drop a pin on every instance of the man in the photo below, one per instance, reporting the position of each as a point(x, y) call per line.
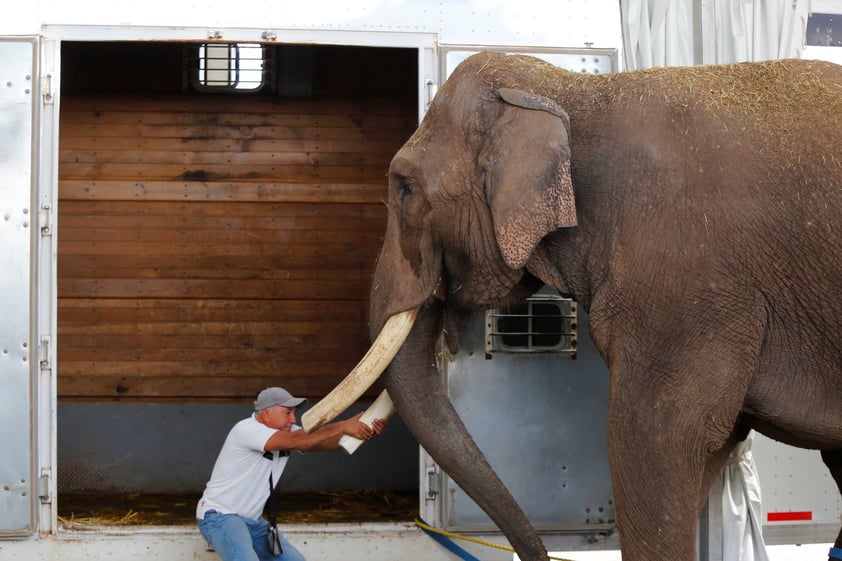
point(230, 511)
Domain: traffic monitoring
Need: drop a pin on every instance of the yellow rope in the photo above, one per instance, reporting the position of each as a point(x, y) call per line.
point(472, 540)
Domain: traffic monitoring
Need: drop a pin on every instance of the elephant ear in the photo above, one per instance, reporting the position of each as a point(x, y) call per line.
point(530, 190)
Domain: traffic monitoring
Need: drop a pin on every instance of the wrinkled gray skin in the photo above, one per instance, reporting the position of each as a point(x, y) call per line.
point(706, 245)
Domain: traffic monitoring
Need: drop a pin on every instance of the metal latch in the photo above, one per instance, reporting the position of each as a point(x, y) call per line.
point(432, 90)
point(44, 353)
point(44, 221)
point(47, 88)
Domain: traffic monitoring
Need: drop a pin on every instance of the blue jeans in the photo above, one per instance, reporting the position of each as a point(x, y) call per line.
point(236, 538)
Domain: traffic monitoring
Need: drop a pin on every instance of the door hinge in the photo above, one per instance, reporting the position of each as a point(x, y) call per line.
point(44, 487)
point(47, 88)
point(45, 219)
point(433, 483)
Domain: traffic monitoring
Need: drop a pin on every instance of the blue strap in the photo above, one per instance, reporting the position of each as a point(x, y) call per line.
point(835, 553)
point(448, 543)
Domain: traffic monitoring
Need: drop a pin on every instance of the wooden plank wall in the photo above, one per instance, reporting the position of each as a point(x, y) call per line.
point(209, 246)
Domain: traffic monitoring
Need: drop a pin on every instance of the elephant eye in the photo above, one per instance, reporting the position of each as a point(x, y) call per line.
point(406, 188)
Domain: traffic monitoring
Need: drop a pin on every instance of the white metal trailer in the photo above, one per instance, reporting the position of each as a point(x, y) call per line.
point(800, 501)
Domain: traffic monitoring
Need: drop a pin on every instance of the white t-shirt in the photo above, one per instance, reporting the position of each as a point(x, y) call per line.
point(239, 482)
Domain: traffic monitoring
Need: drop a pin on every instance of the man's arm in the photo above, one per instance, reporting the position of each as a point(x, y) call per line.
point(326, 437)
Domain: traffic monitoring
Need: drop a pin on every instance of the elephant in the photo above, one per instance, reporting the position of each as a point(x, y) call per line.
point(694, 213)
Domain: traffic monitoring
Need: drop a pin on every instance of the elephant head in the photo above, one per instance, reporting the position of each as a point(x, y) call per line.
point(462, 224)
point(484, 178)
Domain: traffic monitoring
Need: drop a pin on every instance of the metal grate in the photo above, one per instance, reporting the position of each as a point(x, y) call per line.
point(544, 323)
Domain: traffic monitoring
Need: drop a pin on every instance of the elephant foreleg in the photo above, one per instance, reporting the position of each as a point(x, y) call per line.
point(664, 453)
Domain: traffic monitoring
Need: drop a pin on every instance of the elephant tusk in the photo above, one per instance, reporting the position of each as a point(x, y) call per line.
point(364, 374)
point(382, 408)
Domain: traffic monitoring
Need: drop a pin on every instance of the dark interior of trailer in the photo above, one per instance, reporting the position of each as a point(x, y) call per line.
point(220, 212)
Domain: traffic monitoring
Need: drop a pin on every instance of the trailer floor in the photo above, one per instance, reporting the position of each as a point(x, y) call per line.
point(80, 511)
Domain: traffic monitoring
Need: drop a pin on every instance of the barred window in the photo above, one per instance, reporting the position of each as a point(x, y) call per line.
point(544, 323)
point(228, 67)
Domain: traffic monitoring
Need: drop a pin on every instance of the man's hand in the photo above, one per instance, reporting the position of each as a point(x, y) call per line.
point(379, 426)
point(356, 428)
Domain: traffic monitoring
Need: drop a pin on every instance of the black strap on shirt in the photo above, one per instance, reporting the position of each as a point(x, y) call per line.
point(273, 520)
point(281, 454)
point(274, 537)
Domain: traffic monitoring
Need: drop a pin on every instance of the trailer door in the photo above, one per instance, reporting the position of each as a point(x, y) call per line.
point(17, 148)
point(539, 416)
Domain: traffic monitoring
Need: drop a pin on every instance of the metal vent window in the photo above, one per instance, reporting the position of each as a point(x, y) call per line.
point(234, 67)
point(542, 324)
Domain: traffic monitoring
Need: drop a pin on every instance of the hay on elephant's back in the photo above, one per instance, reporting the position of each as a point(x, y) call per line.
point(80, 512)
point(783, 89)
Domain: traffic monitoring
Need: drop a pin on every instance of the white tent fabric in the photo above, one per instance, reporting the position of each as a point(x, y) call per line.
point(678, 32)
point(657, 33)
point(760, 30)
point(742, 537)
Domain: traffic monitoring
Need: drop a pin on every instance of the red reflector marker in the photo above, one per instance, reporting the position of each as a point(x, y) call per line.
point(789, 516)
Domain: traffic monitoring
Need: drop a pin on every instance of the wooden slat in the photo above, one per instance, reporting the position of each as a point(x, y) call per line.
point(188, 367)
point(184, 257)
point(325, 289)
point(82, 311)
point(200, 190)
point(205, 107)
point(189, 158)
point(79, 360)
point(255, 251)
point(281, 343)
point(356, 270)
point(108, 113)
point(72, 223)
point(135, 210)
point(227, 172)
point(257, 237)
point(372, 144)
point(183, 389)
point(278, 329)
point(235, 131)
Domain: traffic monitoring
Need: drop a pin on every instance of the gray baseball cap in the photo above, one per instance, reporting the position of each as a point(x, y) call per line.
point(277, 396)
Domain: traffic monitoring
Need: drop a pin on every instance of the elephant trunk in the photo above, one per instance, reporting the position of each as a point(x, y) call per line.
point(414, 383)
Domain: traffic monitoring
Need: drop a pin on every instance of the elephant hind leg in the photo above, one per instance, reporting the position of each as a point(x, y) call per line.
point(833, 460)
